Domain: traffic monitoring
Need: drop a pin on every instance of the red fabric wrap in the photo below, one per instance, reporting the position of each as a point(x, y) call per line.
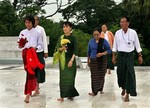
point(31, 61)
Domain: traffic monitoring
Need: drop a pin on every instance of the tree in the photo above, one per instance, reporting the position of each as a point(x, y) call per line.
point(93, 13)
point(35, 6)
point(8, 17)
point(139, 10)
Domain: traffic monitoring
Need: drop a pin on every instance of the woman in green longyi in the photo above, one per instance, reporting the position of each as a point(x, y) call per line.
point(67, 63)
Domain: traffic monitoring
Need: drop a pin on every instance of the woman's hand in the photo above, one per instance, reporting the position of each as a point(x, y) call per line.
point(62, 48)
point(88, 63)
point(70, 64)
point(99, 55)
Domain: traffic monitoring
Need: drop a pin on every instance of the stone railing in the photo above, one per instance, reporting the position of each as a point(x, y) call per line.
point(8, 47)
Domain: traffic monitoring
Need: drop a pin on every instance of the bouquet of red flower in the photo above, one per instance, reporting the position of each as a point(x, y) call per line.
point(22, 41)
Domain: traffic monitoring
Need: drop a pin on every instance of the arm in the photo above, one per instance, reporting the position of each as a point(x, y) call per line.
point(45, 43)
point(75, 53)
point(106, 47)
point(18, 41)
point(114, 58)
point(88, 55)
point(138, 49)
point(137, 44)
point(114, 49)
point(39, 42)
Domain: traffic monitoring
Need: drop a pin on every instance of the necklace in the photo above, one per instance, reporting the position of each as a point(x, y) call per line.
point(127, 42)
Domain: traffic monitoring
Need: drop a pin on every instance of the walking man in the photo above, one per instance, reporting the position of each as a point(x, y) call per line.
point(40, 74)
point(125, 41)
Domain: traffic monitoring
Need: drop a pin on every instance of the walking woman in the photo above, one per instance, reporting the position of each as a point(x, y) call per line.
point(98, 49)
point(65, 53)
point(29, 41)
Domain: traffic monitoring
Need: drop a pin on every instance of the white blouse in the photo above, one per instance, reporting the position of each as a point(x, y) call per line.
point(34, 38)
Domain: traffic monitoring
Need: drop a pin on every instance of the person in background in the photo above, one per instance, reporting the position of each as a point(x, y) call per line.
point(108, 35)
point(125, 41)
point(41, 53)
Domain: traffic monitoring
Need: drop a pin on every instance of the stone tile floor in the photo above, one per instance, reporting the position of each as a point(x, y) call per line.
point(12, 79)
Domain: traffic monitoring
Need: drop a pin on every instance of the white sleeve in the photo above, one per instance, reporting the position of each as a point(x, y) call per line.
point(114, 49)
point(18, 41)
point(44, 41)
point(137, 43)
point(40, 42)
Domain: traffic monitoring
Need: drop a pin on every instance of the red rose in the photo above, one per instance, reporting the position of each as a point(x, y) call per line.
point(22, 42)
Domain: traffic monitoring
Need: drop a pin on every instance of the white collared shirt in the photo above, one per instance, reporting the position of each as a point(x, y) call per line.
point(126, 42)
point(33, 37)
point(44, 38)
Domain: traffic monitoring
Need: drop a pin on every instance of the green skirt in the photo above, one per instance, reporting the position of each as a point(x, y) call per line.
point(67, 80)
point(40, 74)
point(126, 73)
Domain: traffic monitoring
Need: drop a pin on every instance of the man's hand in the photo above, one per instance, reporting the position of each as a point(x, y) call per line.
point(45, 55)
point(140, 60)
point(114, 58)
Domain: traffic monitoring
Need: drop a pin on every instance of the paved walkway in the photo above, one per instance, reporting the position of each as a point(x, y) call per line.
point(12, 79)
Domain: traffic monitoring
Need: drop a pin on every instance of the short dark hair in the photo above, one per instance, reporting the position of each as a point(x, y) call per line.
point(104, 24)
point(30, 18)
point(97, 29)
point(68, 24)
point(126, 17)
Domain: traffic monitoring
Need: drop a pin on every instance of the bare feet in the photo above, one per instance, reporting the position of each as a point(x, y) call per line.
point(37, 92)
point(91, 94)
point(123, 92)
point(101, 92)
point(60, 99)
point(126, 99)
point(27, 99)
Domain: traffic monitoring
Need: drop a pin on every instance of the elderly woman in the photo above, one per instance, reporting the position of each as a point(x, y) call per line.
point(66, 49)
point(98, 49)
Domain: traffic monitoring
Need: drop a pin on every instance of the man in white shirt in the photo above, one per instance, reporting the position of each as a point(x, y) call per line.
point(40, 75)
point(125, 41)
